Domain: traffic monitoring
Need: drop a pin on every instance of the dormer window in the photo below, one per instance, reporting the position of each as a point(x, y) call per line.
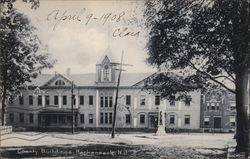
point(60, 83)
point(106, 73)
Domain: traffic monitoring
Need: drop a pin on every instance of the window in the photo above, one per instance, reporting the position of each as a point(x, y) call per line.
point(56, 100)
point(21, 100)
point(10, 102)
point(21, 117)
point(91, 119)
point(106, 118)
point(142, 119)
point(172, 119)
point(218, 108)
point(101, 118)
point(188, 100)
point(143, 100)
point(232, 121)
point(82, 118)
point(110, 101)
point(30, 100)
point(206, 121)
point(11, 118)
point(187, 119)
point(110, 118)
point(128, 118)
point(208, 107)
point(232, 108)
point(81, 100)
point(106, 73)
point(64, 100)
point(213, 107)
point(31, 116)
point(90, 100)
point(106, 101)
point(172, 100)
point(101, 101)
point(128, 100)
point(60, 83)
point(202, 99)
point(39, 100)
point(157, 100)
point(47, 100)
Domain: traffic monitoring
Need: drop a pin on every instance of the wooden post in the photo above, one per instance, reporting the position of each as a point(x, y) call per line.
point(116, 98)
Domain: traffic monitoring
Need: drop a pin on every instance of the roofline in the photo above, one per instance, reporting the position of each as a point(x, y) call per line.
point(144, 79)
point(82, 87)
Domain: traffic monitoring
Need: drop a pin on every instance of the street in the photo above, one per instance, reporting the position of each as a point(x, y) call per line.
point(96, 145)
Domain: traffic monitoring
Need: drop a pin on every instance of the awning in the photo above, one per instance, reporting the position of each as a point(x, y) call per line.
point(58, 111)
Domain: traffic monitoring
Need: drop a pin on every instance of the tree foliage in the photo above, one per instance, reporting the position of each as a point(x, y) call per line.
point(22, 53)
point(203, 43)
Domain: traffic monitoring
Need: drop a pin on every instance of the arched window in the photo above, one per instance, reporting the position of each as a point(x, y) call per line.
point(106, 73)
point(60, 83)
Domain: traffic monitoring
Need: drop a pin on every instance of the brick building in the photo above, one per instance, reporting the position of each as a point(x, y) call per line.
point(218, 111)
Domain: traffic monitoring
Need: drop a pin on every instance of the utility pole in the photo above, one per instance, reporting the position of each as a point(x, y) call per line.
point(116, 98)
point(72, 106)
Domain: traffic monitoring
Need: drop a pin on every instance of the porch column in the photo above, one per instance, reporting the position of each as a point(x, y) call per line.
point(43, 100)
point(57, 120)
point(97, 107)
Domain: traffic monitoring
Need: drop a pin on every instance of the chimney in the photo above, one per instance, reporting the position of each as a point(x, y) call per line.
point(68, 71)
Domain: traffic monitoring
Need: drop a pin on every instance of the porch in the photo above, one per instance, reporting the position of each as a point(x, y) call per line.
point(57, 118)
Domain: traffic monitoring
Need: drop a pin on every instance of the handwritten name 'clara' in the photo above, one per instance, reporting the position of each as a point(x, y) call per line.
point(80, 16)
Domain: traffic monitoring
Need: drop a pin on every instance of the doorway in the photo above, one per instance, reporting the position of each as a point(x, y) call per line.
point(217, 122)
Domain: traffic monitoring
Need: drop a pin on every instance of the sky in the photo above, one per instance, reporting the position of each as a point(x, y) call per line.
point(78, 33)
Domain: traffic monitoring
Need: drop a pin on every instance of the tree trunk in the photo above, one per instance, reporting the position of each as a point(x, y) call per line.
point(242, 135)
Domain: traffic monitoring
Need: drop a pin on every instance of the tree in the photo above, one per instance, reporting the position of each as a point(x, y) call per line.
point(22, 56)
point(204, 44)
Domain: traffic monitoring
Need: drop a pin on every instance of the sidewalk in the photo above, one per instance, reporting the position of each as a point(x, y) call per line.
point(183, 140)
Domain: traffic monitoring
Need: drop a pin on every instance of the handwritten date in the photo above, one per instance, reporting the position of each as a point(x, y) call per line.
point(80, 16)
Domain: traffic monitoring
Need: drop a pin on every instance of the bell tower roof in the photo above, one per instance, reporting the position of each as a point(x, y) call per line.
point(108, 55)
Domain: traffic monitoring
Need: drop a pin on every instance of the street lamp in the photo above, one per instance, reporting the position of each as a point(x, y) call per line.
point(72, 106)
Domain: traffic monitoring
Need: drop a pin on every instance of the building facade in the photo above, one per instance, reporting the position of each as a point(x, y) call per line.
point(47, 104)
point(218, 111)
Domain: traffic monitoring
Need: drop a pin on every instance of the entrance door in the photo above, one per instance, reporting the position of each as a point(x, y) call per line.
point(153, 121)
point(217, 122)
